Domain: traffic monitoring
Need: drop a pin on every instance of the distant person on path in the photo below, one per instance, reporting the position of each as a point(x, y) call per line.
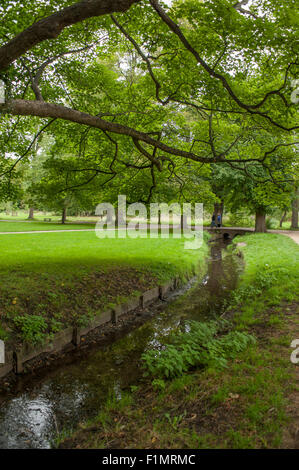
point(219, 220)
point(213, 223)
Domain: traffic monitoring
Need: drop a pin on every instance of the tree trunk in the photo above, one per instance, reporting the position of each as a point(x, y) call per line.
point(159, 218)
point(31, 213)
point(63, 218)
point(260, 222)
point(109, 218)
point(184, 221)
point(295, 208)
point(282, 218)
point(218, 208)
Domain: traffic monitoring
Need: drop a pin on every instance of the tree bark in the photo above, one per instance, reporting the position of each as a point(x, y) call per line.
point(282, 218)
point(295, 209)
point(184, 221)
point(218, 208)
point(260, 222)
point(63, 218)
point(31, 213)
point(51, 26)
point(159, 218)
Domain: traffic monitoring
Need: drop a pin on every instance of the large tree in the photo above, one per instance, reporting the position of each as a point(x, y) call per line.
point(217, 59)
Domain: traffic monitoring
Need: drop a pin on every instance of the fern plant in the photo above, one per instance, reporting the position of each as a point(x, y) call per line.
point(209, 343)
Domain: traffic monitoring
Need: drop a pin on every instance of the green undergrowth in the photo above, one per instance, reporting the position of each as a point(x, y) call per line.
point(204, 344)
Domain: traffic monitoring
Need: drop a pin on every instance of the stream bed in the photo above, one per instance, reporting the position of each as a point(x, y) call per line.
point(38, 409)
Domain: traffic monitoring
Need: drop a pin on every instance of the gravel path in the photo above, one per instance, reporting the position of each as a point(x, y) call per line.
point(289, 233)
point(294, 235)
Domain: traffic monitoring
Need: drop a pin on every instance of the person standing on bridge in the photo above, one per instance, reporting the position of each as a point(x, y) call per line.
point(213, 223)
point(219, 220)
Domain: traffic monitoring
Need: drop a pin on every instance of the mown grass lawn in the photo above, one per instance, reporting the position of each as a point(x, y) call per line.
point(245, 405)
point(59, 279)
point(23, 226)
point(36, 225)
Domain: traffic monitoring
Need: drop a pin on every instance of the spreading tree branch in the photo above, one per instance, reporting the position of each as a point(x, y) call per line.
point(250, 108)
point(51, 26)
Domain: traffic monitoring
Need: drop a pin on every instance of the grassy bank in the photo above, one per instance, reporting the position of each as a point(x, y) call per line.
point(243, 405)
point(53, 280)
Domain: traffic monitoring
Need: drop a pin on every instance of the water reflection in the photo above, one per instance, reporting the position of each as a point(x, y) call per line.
point(32, 418)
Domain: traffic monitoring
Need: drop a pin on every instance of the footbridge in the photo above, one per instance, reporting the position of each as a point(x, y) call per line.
point(229, 232)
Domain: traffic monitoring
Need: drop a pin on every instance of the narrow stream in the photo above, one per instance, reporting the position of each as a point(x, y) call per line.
point(31, 416)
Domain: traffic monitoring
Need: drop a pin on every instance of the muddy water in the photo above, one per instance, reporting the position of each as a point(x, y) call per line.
point(38, 409)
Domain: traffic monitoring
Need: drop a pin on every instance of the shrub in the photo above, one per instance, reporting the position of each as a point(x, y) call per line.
point(239, 220)
point(202, 345)
point(3, 333)
point(32, 328)
point(270, 223)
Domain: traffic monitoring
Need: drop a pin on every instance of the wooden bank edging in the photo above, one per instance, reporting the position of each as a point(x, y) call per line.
point(16, 360)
